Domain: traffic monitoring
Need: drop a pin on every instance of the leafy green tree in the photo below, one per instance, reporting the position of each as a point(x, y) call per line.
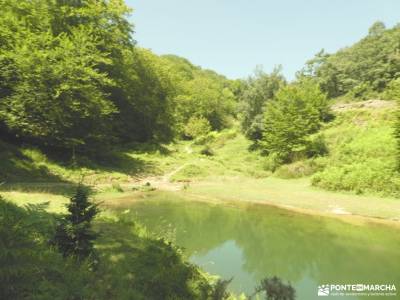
point(144, 98)
point(377, 29)
point(200, 93)
point(296, 112)
point(57, 96)
point(74, 236)
point(257, 91)
point(325, 72)
point(206, 98)
point(67, 79)
point(72, 77)
point(197, 127)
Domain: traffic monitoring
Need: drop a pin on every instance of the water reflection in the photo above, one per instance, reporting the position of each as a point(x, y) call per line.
point(251, 242)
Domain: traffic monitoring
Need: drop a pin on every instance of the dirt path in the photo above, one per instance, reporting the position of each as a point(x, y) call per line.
point(163, 182)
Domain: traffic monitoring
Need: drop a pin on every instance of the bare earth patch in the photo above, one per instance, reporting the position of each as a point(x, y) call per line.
point(163, 182)
point(368, 104)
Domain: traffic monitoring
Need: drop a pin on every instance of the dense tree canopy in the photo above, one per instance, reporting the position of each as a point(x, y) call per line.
point(72, 76)
point(200, 94)
point(56, 62)
point(362, 70)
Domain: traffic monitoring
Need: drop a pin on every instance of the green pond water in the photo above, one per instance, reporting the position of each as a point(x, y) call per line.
point(251, 242)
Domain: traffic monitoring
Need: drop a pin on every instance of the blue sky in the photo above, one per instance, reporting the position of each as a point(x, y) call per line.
point(233, 36)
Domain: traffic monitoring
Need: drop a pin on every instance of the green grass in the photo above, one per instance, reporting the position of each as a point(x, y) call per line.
point(362, 153)
point(182, 160)
point(297, 169)
point(132, 263)
point(56, 203)
point(31, 165)
point(293, 194)
point(361, 160)
point(231, 157)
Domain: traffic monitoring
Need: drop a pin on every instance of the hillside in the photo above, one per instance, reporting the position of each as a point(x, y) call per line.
point(363, 70)
point(360, 159)
point(94, 127)
point(363, 150)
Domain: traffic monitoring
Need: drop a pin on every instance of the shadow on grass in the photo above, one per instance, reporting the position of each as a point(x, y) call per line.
point(121, 159)
point(63, 189)
point(150, 147)
point(153, 266)
point(52, 170)
point(15, 166)
point(20, 172)
point(115, 161)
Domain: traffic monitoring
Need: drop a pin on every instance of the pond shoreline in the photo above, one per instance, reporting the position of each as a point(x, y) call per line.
point(245, 241)
point(296, 195)
point(125, 198)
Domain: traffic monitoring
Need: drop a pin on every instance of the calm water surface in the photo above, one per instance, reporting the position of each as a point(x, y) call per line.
point(254, 241)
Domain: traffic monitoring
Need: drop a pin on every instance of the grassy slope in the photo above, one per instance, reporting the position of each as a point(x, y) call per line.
point(360, 160)
point(362, 154)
